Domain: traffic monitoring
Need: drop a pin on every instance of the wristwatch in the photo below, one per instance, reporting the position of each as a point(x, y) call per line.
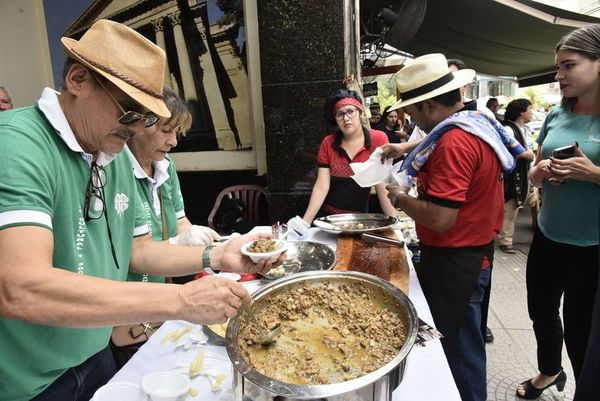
point(206, 260)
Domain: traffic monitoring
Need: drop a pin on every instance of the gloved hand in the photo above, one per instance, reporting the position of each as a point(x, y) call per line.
point(298, 225)
point(196, 236)
point(226, 238)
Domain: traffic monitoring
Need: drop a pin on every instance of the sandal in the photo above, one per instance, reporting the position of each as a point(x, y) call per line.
point(508, 249)
point(532, 392)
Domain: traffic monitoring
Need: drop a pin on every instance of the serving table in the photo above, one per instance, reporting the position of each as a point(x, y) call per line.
point(427, 376)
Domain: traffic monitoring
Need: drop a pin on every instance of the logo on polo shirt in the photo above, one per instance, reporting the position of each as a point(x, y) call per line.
point(593, 139)
point(121, 203)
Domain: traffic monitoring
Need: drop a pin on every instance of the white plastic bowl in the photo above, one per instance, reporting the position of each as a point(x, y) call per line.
point(119, 391)
point(165, 386)
point(271, 256)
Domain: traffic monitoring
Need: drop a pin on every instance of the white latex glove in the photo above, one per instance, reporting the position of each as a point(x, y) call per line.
point(226, 238)
point(196, 236)
point(298, 225)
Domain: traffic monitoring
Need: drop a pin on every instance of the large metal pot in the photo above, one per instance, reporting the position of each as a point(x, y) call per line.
point(249, 384)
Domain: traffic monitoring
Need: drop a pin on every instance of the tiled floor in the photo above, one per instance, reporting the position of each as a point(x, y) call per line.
point(512, 355)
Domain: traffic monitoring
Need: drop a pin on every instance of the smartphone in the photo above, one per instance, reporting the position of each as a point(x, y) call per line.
point(564, 153)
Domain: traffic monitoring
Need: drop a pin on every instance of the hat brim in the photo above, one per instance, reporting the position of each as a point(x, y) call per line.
point(461, 78)
point(150, 102)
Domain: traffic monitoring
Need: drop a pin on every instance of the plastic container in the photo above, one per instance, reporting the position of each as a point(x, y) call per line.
point(119, 391)
point(281, 246)
point(165, 386)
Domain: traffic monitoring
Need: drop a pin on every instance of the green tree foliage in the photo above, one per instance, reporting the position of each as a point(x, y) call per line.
point(386, 93)
point(533, 95)
point(233, 10)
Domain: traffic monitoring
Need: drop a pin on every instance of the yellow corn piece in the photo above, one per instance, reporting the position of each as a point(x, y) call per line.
point(216, 386)
point(193, 392)
point(176, 334)
point(198, 364)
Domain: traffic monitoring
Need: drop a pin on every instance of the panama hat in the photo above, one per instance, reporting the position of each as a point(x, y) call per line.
point(126, 58)
point(427, 77)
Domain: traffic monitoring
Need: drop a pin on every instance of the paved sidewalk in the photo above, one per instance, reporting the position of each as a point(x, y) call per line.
point(512, 355)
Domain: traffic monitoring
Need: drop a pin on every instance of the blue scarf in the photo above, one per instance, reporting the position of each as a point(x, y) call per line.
point(478, 123)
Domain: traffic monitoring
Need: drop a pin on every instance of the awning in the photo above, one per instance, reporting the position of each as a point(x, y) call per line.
point(493, 38)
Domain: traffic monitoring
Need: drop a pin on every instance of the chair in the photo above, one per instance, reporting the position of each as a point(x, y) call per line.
point(249, 195)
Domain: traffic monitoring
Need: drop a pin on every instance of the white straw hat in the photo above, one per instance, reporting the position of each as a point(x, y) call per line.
point(427, 77)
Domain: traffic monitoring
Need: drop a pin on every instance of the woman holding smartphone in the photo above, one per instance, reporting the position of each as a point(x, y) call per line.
point(391, 125)
point(563, 259)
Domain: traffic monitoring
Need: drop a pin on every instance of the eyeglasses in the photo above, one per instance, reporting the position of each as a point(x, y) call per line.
point(351, 112)
point(95, 206)
point(130, 117)
point(94, 197)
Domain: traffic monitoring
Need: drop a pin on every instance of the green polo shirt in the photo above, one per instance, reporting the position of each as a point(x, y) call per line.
point(163, 186)
point(44, 174)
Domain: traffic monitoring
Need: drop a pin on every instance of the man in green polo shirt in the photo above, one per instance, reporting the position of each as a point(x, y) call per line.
point(72, 226)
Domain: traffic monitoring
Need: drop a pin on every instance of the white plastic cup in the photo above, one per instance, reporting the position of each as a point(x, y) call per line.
point(165, 386)
point(119, 391)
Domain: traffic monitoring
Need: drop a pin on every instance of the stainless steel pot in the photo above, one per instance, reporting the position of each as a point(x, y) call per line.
point(249, 384)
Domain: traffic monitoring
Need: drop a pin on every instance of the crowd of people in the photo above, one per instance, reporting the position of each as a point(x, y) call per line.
point(463, 203)
point(76, 224)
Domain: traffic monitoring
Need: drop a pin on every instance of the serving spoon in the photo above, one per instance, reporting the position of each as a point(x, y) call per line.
point(264, 338)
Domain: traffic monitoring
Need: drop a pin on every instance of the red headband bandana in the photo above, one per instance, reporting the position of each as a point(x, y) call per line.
point(347, 101)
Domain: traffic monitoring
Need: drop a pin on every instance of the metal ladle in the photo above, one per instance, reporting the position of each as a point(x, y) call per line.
point(263, 338)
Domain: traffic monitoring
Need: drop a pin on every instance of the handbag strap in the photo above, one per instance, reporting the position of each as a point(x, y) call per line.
point(165, 235)
point(146, 329)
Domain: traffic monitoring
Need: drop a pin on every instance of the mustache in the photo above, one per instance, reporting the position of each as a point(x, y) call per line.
point(125, 133)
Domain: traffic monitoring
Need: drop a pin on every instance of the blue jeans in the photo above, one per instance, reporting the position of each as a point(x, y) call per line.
point(81, 382)
point(466, 356)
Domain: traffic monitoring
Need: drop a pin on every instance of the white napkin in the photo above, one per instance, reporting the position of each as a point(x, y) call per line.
point(372, 172)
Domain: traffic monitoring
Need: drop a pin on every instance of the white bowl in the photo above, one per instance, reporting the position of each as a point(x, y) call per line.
point(119, 391)
point(165, 386)
point(271, 256)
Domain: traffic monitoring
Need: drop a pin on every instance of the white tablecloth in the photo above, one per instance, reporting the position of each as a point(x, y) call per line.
point(427, 376)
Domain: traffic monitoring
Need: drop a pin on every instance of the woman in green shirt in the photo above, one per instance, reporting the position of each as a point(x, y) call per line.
point(157, 182)
point(563, 258)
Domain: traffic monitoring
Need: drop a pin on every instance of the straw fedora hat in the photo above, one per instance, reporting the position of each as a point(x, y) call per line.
point(427, 77)
point(126, 58)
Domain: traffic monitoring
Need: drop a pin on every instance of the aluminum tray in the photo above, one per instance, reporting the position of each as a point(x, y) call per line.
point(305, 256)
point(349, 223)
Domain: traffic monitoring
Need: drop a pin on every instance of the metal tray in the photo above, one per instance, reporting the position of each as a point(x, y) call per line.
point(304, 256)
point(213, 335)
point(354, 223)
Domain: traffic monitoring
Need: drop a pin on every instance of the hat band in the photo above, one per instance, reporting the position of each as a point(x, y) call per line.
point(431, 86)
point(122, 77)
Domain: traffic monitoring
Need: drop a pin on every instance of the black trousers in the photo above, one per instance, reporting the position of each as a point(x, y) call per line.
point(554, 269)
point(81, 382)
point(587, 385)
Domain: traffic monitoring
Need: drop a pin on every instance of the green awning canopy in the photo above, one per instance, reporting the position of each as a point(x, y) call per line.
point(493, 38)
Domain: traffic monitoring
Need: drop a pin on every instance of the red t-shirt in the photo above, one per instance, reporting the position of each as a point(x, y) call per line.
point(463, 172)
point(345, 195)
